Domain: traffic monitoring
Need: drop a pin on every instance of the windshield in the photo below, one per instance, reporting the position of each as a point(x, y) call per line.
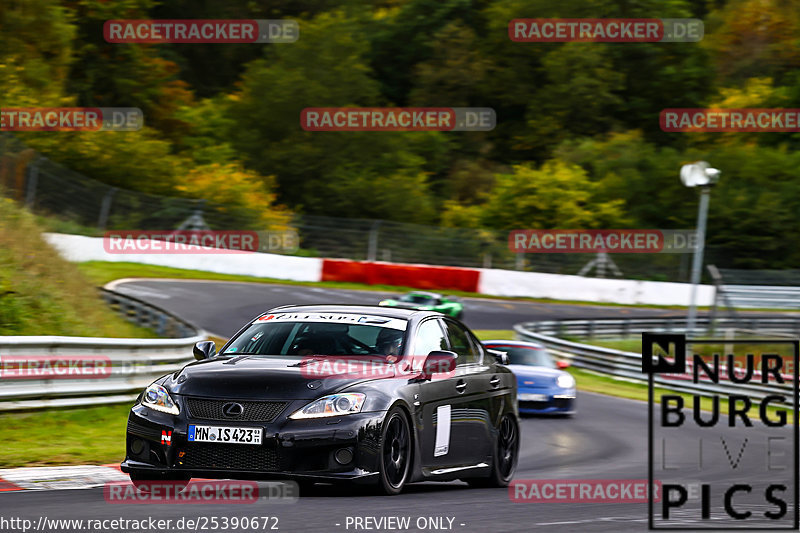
point(416, 298)
point(316, 338)
point(520, 355)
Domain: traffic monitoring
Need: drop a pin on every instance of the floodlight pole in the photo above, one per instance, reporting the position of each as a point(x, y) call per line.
point(697, 262)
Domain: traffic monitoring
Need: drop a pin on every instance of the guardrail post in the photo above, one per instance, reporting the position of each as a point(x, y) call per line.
point(33, 180)
point(372, 246)
point(105, 209)
point(717, 279)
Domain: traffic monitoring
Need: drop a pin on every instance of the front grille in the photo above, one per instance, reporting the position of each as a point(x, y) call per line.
point(560, 403)
point(231, 457)
point(533, 405)
point(251, 412)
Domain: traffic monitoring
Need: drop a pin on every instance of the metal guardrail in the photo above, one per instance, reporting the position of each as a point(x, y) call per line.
point(755, 289)
point(628, 365)
point(762, 296)
point(143, 314)
point(132, 364)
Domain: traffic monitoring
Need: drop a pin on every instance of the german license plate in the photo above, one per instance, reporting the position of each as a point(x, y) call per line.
point(224, 434)
point(527, 397)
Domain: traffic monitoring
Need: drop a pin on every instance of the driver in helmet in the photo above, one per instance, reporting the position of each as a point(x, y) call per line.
point(390, 343)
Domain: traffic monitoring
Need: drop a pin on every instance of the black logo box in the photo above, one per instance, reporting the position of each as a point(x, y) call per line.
point(663, 366)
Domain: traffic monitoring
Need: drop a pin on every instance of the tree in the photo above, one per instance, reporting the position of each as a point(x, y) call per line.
point(125, 75)
point(754, 38)
point(578, 96)
point(556, 195)
point(35, 52)
point(323, 172)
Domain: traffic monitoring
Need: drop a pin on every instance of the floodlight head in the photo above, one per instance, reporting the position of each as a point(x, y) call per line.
point(699, 174)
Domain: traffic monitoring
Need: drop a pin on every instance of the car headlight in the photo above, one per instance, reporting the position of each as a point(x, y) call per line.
point(156, 397)
point(333, 405)
point(565, 381)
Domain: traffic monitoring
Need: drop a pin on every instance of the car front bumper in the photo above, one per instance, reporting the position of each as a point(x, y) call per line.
point(538, 401)
point(314, 449)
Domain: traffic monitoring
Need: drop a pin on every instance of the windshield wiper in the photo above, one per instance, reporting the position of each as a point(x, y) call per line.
point(237, 358)
point(304, 362)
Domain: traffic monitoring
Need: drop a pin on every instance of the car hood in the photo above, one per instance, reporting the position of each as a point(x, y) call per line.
point(538, 377)
point(254, 378)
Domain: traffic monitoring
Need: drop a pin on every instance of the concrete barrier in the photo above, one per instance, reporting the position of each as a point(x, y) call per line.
point(79, 248)
point(578, 288)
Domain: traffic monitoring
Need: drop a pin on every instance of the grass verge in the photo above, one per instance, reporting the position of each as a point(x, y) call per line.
point(86, 435)
point(494, 334)
point(43, 294)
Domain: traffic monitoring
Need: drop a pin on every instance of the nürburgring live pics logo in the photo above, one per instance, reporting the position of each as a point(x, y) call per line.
point(722, 470)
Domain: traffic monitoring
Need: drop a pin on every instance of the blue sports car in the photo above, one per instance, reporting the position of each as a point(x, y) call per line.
point(543, 387)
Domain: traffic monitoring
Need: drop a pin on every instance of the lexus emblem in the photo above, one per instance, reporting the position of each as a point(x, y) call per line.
point(232, 410)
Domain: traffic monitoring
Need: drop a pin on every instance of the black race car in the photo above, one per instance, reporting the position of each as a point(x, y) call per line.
point(430, 404)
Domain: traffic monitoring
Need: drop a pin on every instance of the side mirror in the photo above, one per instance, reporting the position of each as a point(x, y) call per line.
point(204, 350)
point(439, 362)
point(499, 355)
point(563, 364)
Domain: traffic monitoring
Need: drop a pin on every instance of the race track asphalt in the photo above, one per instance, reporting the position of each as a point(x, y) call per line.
point(223, 307)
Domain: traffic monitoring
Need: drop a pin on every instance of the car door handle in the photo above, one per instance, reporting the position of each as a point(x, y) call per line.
point(461, 386)
point(494, 382)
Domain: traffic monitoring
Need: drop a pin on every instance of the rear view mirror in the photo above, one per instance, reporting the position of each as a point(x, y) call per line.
point(204, 350)
point(439, 362)
point(563, 364)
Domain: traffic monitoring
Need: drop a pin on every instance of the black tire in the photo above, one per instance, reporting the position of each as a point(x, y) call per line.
point(395, 452)
point(144, 480)
point(506, 455)
point(460, 315)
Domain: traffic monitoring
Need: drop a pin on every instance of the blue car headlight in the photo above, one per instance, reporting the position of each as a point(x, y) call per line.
point(565, 381)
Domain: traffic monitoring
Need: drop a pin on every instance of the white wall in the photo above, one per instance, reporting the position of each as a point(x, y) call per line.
point(561, 287)
point(79, 248)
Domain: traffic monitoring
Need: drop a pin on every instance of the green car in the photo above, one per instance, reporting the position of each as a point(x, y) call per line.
point(428, 301)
